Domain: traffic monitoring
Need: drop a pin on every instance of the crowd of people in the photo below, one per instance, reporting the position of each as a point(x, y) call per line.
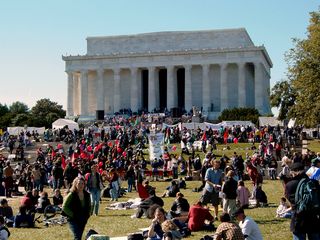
point(92, 164)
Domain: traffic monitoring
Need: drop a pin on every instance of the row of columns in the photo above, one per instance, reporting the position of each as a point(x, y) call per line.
point(172, 100)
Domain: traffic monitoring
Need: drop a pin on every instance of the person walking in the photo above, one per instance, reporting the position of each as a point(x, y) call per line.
point(94, 184)
point(77, 207)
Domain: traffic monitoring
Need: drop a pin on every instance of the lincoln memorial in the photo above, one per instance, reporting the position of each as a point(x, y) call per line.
point(212, 70)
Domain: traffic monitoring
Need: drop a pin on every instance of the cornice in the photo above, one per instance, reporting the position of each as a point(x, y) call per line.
point(167, 53)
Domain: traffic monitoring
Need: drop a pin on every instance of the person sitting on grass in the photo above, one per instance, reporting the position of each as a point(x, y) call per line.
point(284, 209)
point(6, 212)
point(170, 230)
point(172, 190)
point(43, 202)
point(228, 230)
point(180, 208)
point(23, 219)
point(155, 231)
point(148, 204)
point(200, 218)
point(4, 231)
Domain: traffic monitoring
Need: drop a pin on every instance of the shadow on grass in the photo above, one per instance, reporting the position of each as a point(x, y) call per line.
point(272, 221)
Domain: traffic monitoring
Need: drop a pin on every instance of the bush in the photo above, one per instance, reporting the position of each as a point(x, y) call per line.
point(240, 114)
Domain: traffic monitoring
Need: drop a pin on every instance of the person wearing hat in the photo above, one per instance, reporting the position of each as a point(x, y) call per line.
point(301, 225)
point(249, 227)
point(315, 164)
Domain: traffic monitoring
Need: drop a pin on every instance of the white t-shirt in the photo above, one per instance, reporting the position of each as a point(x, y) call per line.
point(251, 229)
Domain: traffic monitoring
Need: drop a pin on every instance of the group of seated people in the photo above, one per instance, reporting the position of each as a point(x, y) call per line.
point(30, 204)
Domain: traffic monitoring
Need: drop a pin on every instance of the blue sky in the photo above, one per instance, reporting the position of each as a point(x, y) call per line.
point(34, 34)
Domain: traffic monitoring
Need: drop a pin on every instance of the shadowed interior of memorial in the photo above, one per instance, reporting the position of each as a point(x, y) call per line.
point(162, 89)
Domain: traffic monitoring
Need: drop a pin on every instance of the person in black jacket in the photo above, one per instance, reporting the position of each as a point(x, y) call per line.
point(230, 193)
point(148, 204)
point(301, 224)
point(180, 207)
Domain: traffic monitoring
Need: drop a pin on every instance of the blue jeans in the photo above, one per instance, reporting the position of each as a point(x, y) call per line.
point(114, 190)
point(76, 229)
point(303, 236)
point(37, 184)
point(130, 183)
point(56, 183)
point(95, 200)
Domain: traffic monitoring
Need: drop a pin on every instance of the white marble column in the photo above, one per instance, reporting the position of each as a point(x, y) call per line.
point(171, 88)
point(76, 94)
point(242, 85)
point(258, 87)
point(84, 93)
point(187, 88)
point(134, 89)
point(151, 89)
point(70, 110)
point(223, 87)
point(205, 88)
point(100, 89)
point(117, 90)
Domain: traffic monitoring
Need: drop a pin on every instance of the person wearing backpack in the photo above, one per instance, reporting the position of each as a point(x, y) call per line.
point(305, 220)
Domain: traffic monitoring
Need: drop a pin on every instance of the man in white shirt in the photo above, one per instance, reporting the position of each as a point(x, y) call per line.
point(249, 227)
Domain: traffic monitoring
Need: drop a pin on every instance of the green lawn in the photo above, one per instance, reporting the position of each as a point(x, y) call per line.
point(119, 223)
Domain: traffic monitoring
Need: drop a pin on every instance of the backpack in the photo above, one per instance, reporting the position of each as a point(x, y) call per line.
point(307, 196)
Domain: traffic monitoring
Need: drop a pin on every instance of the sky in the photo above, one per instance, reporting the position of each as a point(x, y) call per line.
point(34, 34)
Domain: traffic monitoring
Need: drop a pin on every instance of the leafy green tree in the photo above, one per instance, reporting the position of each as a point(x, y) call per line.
point(240, 114)
point(45, 112)
point(283, 97)
point(21, 119)
point(304, 74)
point(18, 107)
point(3, 110)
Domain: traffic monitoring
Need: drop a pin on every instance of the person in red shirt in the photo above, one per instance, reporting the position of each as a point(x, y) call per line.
point(198, 216)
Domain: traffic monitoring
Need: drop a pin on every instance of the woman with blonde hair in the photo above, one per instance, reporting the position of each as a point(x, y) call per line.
point(77, 207)
point(170, 230)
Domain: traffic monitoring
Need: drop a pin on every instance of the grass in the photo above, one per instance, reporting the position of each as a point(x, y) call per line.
point(119, 223)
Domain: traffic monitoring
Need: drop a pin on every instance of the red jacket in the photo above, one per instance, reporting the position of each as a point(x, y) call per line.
point(197, 215)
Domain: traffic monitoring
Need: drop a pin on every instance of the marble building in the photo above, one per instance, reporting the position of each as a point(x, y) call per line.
point(212, 70)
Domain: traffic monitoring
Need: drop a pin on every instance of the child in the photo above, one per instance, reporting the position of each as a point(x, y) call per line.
point(284, 209)
point(243, 195)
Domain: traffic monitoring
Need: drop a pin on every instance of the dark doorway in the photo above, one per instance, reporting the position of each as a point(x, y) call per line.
point(180, 85)
point(163, 89)
point(145, 85)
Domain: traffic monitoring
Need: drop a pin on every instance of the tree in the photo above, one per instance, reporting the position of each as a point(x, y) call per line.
point(3, 110)
point(304, 74)
point(18, 107)
point(240, 114)
point(283, 97)
point(45, 112)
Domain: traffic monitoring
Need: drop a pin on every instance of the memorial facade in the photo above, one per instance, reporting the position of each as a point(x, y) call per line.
point(212, 70)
